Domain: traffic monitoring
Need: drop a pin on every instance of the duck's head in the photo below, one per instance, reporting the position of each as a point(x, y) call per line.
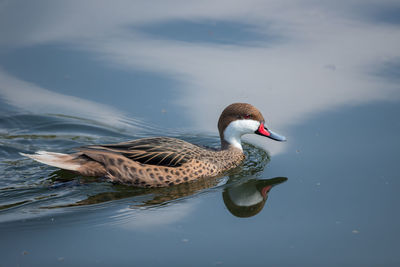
point(241, 118)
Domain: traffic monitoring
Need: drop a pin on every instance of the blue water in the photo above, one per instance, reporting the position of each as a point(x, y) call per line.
point(321, 74)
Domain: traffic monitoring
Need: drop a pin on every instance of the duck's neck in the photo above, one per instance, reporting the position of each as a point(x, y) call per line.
point(237, 146)
point(229, 156)
point(231, 139)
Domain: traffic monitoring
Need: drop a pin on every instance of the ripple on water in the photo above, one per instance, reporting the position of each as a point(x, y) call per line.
point(29, 189)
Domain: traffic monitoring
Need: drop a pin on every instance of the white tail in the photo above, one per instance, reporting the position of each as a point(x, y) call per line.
point(59, 160)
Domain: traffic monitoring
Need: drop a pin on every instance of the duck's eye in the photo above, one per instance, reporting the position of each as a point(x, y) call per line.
point(247, 116)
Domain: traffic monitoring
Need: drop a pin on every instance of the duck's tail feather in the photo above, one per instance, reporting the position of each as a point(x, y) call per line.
point(77, 162)
point(59, 160)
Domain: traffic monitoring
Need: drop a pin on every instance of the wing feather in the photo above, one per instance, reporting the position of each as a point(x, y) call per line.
point(161, 151)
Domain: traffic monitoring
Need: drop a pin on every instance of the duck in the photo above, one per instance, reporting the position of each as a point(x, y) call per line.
point(165, 161)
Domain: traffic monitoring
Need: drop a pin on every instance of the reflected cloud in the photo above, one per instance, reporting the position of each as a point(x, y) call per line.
point(323, 62)
point(31, 98)
point(213, 32)
point(143, 219)
point(389, 70)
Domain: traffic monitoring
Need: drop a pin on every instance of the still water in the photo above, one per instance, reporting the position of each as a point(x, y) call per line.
point(325, 76)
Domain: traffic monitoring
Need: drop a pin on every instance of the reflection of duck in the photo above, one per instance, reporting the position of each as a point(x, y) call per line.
point(163, 161)
point(243, 199)
point(144, 197)
point(255, 162)
point(248, 198)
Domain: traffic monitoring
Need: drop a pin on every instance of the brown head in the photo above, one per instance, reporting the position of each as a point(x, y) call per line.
point(241, 118)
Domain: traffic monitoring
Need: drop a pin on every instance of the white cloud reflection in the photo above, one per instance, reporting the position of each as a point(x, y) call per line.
point(152, 218)
point(324, 63)
point(29, 97)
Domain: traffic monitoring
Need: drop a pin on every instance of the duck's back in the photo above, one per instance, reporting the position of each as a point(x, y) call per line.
point(159, 151)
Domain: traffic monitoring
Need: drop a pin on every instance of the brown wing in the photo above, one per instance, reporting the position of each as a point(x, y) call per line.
point(161, 151)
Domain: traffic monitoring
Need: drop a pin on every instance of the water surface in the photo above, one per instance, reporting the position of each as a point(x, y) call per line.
point(325, 76)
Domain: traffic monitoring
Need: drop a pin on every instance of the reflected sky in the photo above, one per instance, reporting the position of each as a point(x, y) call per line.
point(305, 65)
point(292, 61)
point(208, 31)
point(306, 60)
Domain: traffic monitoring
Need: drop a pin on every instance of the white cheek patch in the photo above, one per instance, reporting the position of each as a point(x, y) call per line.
point(236, 129)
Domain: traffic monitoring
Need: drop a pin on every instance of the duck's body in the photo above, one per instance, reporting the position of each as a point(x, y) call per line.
point(150, 162)
point(165, 161)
